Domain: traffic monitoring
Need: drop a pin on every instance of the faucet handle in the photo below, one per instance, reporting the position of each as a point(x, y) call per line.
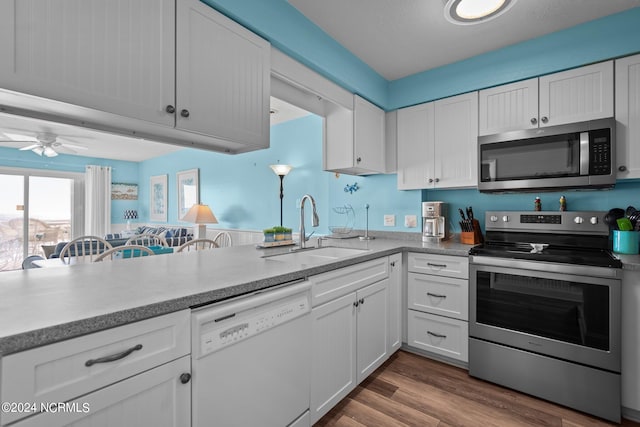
point(309, 236)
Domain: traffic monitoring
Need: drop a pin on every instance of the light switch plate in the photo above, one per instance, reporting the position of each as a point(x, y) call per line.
point(410, 221)
point(389, 220)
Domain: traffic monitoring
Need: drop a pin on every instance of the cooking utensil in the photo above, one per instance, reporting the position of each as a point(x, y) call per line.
point(624, 224)
point(612, 217)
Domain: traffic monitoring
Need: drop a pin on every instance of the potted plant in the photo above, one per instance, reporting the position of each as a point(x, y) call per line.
point(288, 234)
point(269, 234)
point(279, 233)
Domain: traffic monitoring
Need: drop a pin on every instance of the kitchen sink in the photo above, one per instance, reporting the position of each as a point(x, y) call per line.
point(316, 255)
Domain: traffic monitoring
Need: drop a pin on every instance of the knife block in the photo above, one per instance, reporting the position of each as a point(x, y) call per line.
point(472, 237)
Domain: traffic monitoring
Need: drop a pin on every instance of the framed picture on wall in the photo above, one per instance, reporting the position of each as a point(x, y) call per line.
point(158, 191)
point(188, 191)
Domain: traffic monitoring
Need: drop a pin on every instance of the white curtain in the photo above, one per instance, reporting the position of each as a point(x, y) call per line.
point(97, 197)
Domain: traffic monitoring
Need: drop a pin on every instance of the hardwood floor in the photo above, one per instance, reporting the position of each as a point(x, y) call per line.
point(409, 390)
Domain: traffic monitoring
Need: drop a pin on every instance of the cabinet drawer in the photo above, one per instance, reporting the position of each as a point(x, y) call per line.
point(440, 265)
point(438, 334)
point(439, 295)
point(59, 372)
point(334, 284)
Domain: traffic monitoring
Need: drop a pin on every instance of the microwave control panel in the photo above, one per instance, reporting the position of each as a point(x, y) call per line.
point(600, 152)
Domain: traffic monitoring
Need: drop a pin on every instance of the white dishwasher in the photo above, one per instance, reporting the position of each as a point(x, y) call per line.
point(250, 360)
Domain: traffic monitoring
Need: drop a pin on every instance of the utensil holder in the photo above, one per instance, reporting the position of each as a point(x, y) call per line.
point(472, 237)
point(626, 242)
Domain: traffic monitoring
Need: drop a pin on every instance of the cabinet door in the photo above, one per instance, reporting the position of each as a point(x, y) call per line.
point(508, 107)
point(372, 327)
point(223, 76)
point(154, 398)
point(631, 339)
point(395, 302)
point(444, 296)
point(456, 141)
point(628, 116)
point(415, 146)
point(368, 135)
point(333, 356)
point(113, 56)
point(584, 93)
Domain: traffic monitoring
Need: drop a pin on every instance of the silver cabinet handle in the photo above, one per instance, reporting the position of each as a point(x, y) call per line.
point(185, 378)
point(184, 113)
point(622, 168)
point(433, 334)
point(544, 119)
point(436, 295)
point(437, 180)
point(430, 180)
point(430, 264)
point(361, 301)
point(359, 159)
point(170, 109)
point(534, 120)
point(392, 263)
point(356, 304)
point(113, 357)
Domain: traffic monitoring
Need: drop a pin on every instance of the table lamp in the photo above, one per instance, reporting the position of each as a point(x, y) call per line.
point(130, 214)
point(201, 215)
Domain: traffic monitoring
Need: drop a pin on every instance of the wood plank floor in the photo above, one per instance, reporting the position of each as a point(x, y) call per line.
point(410, 390)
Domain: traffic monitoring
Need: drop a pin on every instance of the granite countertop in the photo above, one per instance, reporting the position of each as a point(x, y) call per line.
point(42, 306)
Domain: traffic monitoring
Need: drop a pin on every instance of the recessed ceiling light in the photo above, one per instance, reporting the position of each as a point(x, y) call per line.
point(467, 12)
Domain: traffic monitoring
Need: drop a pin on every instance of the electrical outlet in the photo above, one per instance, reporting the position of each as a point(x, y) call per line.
point(410, 221)
point(389, 220)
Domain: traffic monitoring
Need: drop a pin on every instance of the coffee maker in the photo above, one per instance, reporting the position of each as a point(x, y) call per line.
point(434, 223)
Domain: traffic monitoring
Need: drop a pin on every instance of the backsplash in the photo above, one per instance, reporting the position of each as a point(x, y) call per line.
point(624, 194)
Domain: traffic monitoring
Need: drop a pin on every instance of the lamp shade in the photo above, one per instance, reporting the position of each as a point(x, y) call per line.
point(130, 214)
point(281, 170)
point(200, 214)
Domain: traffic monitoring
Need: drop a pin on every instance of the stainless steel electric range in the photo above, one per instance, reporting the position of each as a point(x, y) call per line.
point(545, 309)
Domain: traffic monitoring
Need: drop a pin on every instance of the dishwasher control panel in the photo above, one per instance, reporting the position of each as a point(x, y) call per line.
point(233, 327)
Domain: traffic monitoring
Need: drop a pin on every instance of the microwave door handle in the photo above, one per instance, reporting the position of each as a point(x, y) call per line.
point(584, 153)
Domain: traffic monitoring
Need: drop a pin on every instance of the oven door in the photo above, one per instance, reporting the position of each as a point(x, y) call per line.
point(571, 312)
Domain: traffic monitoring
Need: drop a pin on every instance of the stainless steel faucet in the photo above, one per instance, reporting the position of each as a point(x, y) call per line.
point(316, 221)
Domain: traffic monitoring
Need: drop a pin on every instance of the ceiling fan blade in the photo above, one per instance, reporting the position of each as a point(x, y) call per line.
point(30, 147)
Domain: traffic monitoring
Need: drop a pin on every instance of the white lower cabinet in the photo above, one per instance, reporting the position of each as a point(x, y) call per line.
point(631, 344)
point(137, 368)
point(438, 305)
point(153, 398)
point(351, 334)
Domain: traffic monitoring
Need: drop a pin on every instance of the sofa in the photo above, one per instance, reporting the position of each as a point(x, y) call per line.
point(175, 236)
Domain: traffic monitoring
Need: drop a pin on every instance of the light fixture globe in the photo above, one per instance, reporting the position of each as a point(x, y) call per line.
point(469, 12)
point(281, 170)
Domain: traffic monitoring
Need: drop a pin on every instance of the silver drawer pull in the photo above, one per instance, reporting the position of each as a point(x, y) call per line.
point(430, 264)
point(436, 295)
point(433, 334)
point(113, 357)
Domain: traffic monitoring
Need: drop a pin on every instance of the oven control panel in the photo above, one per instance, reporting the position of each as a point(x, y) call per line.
point(580, 222)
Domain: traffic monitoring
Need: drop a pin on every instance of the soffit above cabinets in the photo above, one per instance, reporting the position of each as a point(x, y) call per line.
point(400, 38)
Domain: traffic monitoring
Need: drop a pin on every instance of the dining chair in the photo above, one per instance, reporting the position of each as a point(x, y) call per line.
point(85, 247)
point(223, 239)
point(125, 251)
point(28, 261)
point(147, 240)
point(197, 245)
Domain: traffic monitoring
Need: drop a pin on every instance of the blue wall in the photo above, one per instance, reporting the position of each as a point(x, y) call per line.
point(242, 190)
point(124, 172)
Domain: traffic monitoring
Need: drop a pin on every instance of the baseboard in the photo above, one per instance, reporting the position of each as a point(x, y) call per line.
point(631, 414)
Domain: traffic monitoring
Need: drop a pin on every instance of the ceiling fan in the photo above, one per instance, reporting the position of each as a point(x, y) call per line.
point(44, 144)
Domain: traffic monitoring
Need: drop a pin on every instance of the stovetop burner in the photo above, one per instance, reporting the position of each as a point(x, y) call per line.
point(566, 255)
point(580, 238)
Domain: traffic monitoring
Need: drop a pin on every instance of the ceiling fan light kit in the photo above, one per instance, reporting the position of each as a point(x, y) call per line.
point(44, 144)
point(469, 12)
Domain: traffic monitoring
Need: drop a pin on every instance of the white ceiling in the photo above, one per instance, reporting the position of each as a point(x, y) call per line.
point(398, 38)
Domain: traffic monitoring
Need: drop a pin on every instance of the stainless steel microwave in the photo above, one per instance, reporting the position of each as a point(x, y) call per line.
point(576, 155)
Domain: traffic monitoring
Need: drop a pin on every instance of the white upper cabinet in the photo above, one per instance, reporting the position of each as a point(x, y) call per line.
point(165, 70)
point(576, 95)
point(437, 143)
point(628, 116)
point(415, 146)
point(509, 107)
point(114, 56)
point(223, 77)
point(355, 139)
